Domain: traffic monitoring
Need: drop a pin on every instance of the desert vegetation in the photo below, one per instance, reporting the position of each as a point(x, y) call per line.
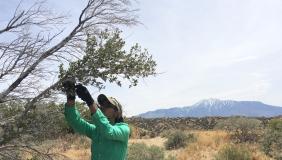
point(50, 136)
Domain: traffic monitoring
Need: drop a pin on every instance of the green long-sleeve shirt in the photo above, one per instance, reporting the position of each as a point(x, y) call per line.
point(109, 142)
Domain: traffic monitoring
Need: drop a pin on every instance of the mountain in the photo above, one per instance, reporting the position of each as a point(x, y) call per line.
point(216, 107)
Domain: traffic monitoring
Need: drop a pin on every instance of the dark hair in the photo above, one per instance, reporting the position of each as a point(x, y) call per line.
point(119, 120)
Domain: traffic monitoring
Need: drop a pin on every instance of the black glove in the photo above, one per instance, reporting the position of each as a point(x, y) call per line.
point(84, 94)
point(69, 88)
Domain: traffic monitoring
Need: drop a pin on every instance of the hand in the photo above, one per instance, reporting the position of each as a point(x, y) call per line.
point(84, 94)
point(69, 88)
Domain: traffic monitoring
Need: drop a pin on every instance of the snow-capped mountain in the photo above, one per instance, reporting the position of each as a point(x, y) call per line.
point(216, 107)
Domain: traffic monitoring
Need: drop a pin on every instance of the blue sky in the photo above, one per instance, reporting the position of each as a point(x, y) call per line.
point(204, 49)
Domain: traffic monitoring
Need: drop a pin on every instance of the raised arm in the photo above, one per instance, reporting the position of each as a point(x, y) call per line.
point(72, 115)
point(79, 125)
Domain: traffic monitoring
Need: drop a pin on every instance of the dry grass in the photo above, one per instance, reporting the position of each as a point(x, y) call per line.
point(208, 143)
point(74, 147)
point(157, 141)
point(256, 154)
point(206, 146)
point(78, 154)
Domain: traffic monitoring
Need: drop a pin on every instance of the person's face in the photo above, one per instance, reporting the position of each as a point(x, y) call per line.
point(109, 111)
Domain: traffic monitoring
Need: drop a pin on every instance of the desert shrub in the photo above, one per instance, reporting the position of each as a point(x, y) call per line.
point(46, 121)
point(50, 122)
point(272, 141)
point(167, 133)
point(179, 139)
point(275, 125)
point(140, 151)
point(10, 109)
point(232, 152)
point(241, 129)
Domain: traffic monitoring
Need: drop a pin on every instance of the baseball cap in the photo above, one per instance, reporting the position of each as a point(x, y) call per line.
point(103, 99)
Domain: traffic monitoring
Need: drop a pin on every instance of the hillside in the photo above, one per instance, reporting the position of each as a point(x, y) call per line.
point(216, 107)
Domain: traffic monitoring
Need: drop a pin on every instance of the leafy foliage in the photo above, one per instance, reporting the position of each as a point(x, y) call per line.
point(107, 61)
point(44, 122)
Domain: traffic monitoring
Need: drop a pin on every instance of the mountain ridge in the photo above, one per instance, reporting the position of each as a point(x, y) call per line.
point(217, 107)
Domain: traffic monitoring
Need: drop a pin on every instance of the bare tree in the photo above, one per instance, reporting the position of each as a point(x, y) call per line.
point(22, 57)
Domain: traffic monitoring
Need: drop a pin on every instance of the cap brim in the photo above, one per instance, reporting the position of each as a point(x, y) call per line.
point(102, 99)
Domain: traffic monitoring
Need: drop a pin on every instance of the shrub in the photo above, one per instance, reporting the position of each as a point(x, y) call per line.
point(241, 129)
point(46, 121)
point(275, 125)
point(179, 139)
point(233, 152)
point(167, 133)
point(140, 151)
point(272, 141)
point(10, 109)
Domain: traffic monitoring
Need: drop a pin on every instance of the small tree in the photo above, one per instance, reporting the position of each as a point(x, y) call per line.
point(32, 42)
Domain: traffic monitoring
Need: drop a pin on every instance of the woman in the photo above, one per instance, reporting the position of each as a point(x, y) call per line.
point(109, 134)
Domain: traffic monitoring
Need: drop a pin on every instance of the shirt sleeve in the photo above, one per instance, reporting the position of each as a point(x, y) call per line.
point(79, 125)
point(114, 132)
